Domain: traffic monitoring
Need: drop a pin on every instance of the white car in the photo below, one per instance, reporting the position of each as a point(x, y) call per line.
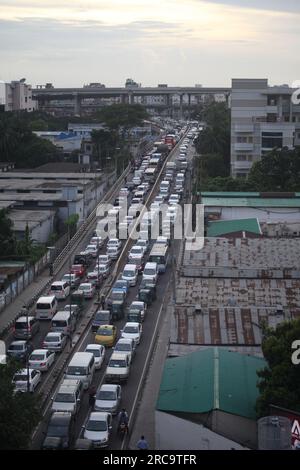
point(130, 274)
point(88, 290)
point(136, 252)
point(143, 243)
point(55, 341)
point(132, 330)
point(103, 269)
point(113, 252)
point(104, 259)
point(115, 242)
point(96, 241)
point(118, 368)
point(126, 346)
point(151, 272)
point(22, 378)
point(108, 398)
point(94, 277)
point(98, 428)
point(93, 249)
point(41, 359)
point(98, 351)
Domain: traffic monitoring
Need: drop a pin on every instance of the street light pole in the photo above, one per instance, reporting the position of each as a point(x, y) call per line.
point(98, 281)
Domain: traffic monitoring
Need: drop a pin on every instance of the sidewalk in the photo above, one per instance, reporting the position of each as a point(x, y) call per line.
point(9, 313)
point(145, 418)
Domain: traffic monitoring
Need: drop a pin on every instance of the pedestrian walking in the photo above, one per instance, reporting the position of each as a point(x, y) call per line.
point(92, 396)
point(142, 444)
point(103, 302)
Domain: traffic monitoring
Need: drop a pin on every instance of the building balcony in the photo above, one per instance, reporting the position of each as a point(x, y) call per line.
point(245, 165)
point(242, 146)
point(243, 128)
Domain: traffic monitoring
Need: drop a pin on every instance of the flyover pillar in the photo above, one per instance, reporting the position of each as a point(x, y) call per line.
point(189, 105)
point(77, 103)
point(181, 106)
point(130, 98)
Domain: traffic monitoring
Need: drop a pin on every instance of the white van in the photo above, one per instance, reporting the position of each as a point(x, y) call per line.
point(151, 272)
point(61, 289)
point(130, 274)
point(46, 307)
point(64, 322)
point(68, 396)
point(81, 367)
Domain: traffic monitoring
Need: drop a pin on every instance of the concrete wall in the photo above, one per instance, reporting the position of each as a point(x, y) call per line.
point(172, 433)
point(236, 428)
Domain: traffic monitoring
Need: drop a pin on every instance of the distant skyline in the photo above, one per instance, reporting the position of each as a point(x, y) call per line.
point(178, 42)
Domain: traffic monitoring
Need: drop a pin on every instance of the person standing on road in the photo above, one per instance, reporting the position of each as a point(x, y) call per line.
point(103, 302)
point(92, 396)
point(142, 444)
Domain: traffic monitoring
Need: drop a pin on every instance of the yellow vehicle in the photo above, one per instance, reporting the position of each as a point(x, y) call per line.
point(106, 335)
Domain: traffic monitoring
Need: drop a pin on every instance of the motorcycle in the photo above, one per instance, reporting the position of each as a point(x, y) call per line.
point(122, 429)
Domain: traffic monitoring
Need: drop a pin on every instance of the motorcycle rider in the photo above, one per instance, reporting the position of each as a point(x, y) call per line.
point(123, 419)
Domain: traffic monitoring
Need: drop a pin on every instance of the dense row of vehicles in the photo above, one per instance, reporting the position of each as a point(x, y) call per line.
point(80, 284)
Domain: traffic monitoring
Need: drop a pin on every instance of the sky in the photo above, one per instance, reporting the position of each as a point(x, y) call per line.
point(178, 42)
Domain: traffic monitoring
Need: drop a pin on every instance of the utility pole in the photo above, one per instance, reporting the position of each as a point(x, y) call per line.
point(24, 310)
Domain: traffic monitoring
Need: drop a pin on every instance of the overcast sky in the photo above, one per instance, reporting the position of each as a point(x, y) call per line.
point(179, 42)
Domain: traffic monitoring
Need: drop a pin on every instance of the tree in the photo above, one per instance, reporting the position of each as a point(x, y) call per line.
point(123, 116)
point(215, 137)
point(7, 239)
point(105, 143)
point(19, 412)
point(279, 382)
point(278, 170)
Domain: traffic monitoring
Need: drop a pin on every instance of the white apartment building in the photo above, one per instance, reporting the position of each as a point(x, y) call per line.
point(262, 117)
point(16, 96)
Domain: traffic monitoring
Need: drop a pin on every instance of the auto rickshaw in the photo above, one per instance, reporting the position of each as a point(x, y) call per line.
point(145, 295)
point(77, 297)
point(117, 309)
point(134, 316)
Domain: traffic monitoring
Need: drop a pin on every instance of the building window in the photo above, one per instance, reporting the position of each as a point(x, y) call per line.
point(250, 158)
point(271, 139)
point(241, 158)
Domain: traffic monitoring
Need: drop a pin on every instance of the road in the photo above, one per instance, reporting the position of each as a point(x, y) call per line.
point(83, 335)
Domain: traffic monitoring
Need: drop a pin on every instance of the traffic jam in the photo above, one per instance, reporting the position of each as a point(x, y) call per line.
point(83, 411)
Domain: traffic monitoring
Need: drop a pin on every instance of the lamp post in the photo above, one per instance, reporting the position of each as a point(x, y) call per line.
point(98, 267)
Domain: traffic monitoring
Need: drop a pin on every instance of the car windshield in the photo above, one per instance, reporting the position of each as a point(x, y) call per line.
point(52, 339)
point(21, 325)
point(16, 347)
point(102, 317)
point(76, 370)
point(103, 259)
point(117, 295)
point(96, 352)
point(57, 431)
point(128, 273)
point(136, 251)
point(56, 287)
point(122, 347)
point(59, 323)
point(20, 377)
point(131, 329)
point(64, 398)
point(149, 272)
point(117, 363)
point(94, 425)
point(104, 332)
point(37, 357)
point(84, 287)
point(106, 395)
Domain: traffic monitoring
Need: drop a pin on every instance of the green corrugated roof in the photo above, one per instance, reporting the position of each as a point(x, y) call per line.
point(213, 378)
point(229, 194)
point(250, 202)
point(223, 227)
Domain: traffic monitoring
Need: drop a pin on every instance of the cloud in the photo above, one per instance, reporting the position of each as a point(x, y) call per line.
point(292, 6)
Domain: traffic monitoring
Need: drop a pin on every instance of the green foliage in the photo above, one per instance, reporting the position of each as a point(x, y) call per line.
point(19, 145)
point(211, 165)
point(123, 115)
point(7, 240)
point(19, 412)
point(279, 383)
point(215, 137)
point(278, 170)
point(225, 184)
point(105, 143)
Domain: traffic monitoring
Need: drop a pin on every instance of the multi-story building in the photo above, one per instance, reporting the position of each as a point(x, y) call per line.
point(16, 96)
point(262, 117)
